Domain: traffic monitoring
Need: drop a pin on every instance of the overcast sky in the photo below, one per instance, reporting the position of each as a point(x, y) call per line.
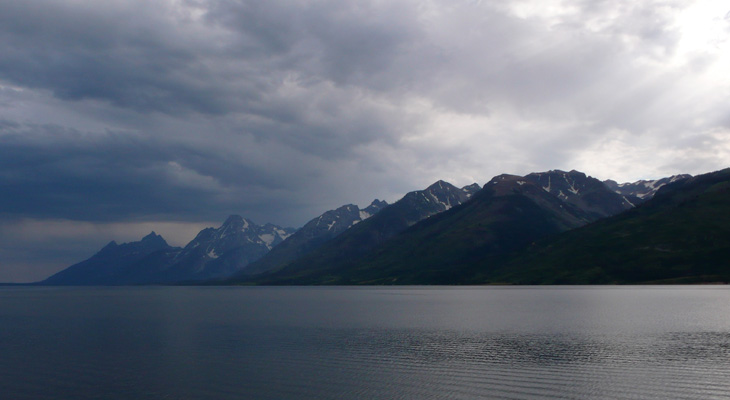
point(122, 117)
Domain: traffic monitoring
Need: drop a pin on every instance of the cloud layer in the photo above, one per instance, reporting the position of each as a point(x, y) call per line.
point(127, 112)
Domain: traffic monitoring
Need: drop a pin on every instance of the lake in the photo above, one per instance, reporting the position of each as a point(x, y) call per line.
point(365, 342)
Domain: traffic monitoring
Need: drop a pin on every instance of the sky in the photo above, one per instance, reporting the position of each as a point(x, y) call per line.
point(122, 117)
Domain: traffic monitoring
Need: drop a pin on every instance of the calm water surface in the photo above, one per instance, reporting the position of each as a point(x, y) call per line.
point(365, 343)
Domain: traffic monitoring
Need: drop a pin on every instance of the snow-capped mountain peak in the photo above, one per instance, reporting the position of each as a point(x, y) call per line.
point(443, 195)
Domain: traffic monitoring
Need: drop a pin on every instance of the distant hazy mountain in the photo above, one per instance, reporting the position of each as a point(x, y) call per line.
point(681, 235)
point(112, 262)
point(312, 235)
point(509, 213)
point(218, 253)
point(213, 254)
point(642, 190)
point(391, 220)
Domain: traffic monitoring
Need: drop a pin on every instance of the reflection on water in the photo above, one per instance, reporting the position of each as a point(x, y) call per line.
point(365, 343)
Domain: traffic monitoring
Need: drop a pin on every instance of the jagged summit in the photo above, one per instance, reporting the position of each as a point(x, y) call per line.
point(375, 206)
point(336, 220)
point(470, 190)
point(439, 196)
point(643, 189)
point(153, 239)
point(236, 223)
point(440, 185)
point(377, 203)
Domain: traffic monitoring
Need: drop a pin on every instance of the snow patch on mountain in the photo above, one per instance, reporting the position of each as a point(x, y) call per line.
point(268, 239)
point(549, 186)
point(282, 233)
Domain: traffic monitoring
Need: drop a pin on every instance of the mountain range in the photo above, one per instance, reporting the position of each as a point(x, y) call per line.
point(516, 229)
point(508, 213)
point(363, 237)
point(214, 253)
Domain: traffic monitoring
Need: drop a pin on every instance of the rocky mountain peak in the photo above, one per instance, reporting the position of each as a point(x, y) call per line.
point(377, 204)
point(440, 185)
point(153, 240)
point(440, 196)
point(235, 222)
point(470, 190)
point(372, 209)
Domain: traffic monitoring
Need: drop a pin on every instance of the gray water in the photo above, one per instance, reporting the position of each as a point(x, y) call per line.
point(365, 343)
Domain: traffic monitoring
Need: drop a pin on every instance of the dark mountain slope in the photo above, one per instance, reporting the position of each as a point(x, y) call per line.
point(681, 235)
point(110, 263)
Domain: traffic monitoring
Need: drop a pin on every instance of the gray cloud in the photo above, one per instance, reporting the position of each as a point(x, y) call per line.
point(120, 54)
point(49, 171)
point(188, 110)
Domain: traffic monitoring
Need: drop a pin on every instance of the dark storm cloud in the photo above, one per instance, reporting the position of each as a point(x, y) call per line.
point(53, 172)
point(64, 174)
point(144, 56)
point(136, 55)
